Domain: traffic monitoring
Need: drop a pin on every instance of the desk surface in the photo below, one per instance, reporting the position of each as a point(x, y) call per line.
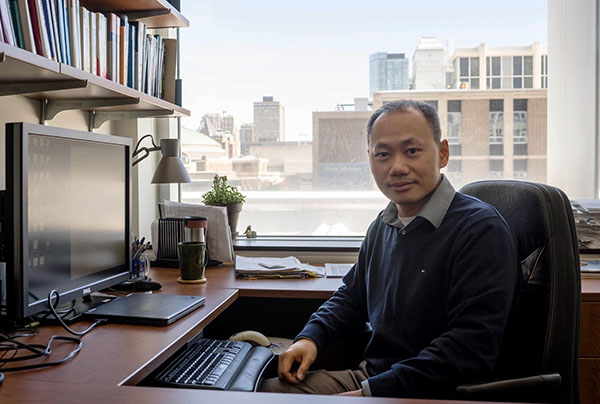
point(115, 357)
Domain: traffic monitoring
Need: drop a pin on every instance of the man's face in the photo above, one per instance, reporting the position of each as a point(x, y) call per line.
point(405, 159)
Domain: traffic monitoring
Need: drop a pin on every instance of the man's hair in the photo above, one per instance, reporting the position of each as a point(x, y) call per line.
point(427, 110)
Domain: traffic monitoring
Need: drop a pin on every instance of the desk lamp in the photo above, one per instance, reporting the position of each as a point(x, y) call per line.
point(170, 168)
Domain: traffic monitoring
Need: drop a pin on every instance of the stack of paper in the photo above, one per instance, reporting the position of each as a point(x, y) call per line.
point(274, 268)
point(587, 222)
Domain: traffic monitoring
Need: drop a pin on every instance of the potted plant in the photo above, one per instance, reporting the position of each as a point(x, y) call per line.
point(222, 194)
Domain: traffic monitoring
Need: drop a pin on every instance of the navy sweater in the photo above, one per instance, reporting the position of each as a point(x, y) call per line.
point(437, 299)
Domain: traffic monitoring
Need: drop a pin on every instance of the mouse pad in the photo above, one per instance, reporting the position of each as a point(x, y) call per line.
point(147, 309)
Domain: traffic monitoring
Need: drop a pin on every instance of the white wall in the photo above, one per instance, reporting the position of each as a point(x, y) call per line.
point(572, 96)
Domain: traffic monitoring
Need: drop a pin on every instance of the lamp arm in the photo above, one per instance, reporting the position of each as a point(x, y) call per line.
point(146, 151)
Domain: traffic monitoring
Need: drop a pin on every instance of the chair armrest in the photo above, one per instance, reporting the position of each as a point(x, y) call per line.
point(511, 388)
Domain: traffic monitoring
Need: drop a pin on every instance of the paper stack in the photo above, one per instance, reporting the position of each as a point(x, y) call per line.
point(587, 222)
point(275, 268)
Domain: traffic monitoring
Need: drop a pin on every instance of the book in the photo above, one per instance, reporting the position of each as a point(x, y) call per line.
point(92, 40)
point(7, 29)
point(101, 42)
point(123, 48)
point(111, 46)
point(275, 268)
point(131, 56)
point(35, 27)
point(60, 56)
point(47, 49)
point(140, 35)
point(1, 31)
point(84, 38)
point(26, 25)
point(16, 23)
point(65, 23)
point(62, 30)
point(74, 37)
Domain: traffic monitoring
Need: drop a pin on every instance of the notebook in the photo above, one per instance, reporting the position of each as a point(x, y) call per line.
point(147, 309)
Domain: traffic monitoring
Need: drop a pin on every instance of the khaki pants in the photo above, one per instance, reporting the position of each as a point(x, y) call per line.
point(320, 382)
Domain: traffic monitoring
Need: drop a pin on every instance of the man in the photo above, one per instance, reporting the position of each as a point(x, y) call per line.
point(436, 277)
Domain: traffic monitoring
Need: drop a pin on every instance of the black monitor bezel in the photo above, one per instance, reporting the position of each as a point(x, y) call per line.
point(15, 214)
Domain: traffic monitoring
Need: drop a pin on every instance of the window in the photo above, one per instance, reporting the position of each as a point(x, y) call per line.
point(301, 160)
point(544, 66)
point(496, 127)
point(520, 169)
point(469, 73)
point(520, 127)
point(496, 168)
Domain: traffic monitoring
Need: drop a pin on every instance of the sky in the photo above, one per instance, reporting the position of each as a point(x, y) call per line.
point(312, 55)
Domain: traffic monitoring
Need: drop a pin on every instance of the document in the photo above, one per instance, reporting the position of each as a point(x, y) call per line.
point(337, 270)
point(275, 268)
point(218, 237)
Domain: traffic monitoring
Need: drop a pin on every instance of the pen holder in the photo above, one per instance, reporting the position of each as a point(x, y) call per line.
point(192, 261)
point(140, 267)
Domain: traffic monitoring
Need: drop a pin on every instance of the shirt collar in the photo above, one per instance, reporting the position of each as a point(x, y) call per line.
point(433, 211)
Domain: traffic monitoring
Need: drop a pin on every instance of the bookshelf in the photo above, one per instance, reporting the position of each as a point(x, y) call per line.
point(60, 87)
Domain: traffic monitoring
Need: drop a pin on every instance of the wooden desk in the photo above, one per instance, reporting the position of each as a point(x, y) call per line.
point(116, 357)
point(589, 342)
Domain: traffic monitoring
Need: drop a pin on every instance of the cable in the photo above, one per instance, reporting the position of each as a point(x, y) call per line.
point(46, 352)
point(61, 321)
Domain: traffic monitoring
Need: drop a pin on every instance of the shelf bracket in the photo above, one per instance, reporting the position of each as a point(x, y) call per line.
point(97, 118)
point(40, 86)
point(52, 107)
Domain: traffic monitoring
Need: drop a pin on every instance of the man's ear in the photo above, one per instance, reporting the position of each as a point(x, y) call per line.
point(444, 153)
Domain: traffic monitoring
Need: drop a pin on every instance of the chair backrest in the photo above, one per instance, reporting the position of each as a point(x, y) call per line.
point(543, 336)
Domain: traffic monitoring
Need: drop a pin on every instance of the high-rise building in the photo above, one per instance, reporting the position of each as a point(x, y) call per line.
point(429, 67)
point(506, 67)
point(246, 135)
point(388, 71)
point(221, 126)
point(269, 121)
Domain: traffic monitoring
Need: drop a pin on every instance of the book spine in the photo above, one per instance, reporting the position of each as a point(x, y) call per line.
point(47, 23)
point(65, 22)
point(123, 48)
point(26, 24)
point(62, 32)
point(84, 38)
point(42, 27)
point(101, 44)
point(16, 23)
point(9, 36)
point(131, 56)
point(92, 40)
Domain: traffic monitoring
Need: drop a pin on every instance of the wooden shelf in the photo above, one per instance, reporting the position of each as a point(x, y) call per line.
point(19, 69)
point(153, 13)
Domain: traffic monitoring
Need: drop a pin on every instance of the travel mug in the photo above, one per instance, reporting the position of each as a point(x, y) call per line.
point(192, 261)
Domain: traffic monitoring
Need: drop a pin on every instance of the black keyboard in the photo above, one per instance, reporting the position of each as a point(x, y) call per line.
point(206, 364)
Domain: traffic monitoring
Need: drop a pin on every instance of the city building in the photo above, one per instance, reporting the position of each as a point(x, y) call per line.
point(429, 65)
point(491, 133)
point(388, 71)
point(246, 135)
point(293, 160)
point(221, 127)
point(340, 160)
point(269, 121)
point(507, 67)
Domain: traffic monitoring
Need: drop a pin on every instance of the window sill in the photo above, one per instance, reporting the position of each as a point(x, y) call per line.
point(299, 243)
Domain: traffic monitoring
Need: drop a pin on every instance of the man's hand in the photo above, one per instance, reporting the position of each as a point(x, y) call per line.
point(358, 393)
point(302, 352)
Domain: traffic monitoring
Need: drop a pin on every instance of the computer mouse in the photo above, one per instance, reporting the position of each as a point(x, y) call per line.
point(1, 377)
point(253, 337)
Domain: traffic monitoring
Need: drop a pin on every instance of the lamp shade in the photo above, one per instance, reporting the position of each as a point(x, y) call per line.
point(170, 168)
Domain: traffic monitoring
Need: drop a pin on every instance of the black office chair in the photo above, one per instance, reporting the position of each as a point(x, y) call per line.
point(538, 362)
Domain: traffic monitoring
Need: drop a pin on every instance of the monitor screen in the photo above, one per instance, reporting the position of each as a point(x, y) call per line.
point(68, 194)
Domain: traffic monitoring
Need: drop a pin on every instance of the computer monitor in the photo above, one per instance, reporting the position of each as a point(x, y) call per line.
point(65, 215)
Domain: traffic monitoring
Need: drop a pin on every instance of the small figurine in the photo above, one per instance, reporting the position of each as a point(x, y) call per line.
point(249, 233)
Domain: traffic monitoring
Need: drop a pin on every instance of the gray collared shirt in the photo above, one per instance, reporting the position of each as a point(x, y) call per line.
point(433, 211)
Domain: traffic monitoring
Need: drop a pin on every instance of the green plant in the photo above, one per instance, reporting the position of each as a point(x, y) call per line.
point(221, 193)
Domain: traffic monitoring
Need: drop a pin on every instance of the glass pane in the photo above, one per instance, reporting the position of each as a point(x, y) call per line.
point(506, 66)
point(475, 67)
point(475, 84)
point(528, 62)
point(506, 82)
point(496, 66)
point(517, 65)
point(464, 67)
point(528, 82)
point(487, 65)
point(517, 82)
point(496, 82)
